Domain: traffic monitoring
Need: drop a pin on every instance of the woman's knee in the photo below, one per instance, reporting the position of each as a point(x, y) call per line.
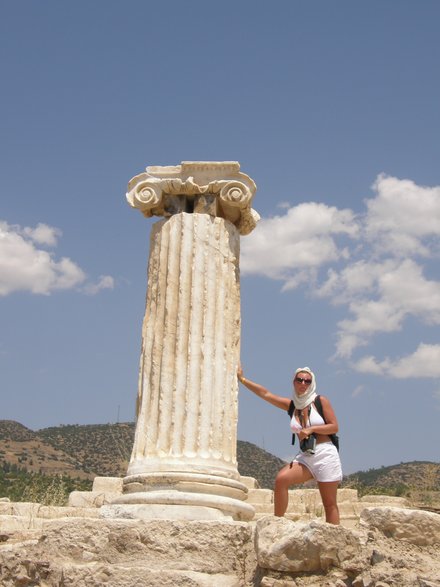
point(291, 475)
point(329, 507)
point(328, 493)
point(329, 501)
point(281, 480)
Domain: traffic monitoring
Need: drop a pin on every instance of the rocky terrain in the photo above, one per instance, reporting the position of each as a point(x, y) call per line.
point(390, 542)
point(390, 547)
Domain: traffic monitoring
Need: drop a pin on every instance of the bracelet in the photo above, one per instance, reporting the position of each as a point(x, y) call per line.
point(242, 379)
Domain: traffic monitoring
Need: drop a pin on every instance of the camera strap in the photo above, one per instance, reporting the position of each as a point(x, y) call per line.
point(301, 419)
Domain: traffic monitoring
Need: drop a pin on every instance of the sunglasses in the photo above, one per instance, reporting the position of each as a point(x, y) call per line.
point(302, 380)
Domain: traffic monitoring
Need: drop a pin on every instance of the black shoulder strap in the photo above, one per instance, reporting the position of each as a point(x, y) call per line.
point(291, 411)
point(318, 405)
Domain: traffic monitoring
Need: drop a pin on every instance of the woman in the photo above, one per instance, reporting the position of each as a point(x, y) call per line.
point(323, 464)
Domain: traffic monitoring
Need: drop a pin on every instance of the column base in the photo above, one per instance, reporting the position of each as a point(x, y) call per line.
point(177, 505)
point(186, 482)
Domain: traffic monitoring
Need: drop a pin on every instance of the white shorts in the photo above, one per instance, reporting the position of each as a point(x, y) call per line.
point(324, 465)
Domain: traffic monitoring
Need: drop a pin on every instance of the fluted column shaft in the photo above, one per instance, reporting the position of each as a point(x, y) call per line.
point(187, 402)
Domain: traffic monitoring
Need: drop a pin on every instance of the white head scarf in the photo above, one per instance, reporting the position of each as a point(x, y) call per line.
point(303, 400)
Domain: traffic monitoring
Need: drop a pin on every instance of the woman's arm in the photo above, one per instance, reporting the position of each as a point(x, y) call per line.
point(275, 400)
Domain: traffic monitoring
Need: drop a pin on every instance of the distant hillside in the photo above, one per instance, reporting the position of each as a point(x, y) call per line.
point(256, 462)
point(28, 450)
point(31, 469)
point(10, 430)
point(402, 479)
point(102, 450)
point(105, 449)
point(87, 451)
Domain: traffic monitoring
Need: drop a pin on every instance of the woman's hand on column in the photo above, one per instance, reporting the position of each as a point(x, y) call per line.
point(240, 373)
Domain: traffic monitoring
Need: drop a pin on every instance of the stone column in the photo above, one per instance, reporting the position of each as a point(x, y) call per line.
point(183, 462)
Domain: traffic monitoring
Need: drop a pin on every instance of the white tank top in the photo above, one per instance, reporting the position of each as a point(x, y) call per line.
point(315, 420)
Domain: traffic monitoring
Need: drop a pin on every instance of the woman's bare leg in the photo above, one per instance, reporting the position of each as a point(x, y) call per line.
point(328, 493)
point(292, 474)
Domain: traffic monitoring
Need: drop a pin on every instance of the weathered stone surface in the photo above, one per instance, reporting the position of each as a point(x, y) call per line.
point(217, 188)
point(91, 499)
point(47, 574)
point(346, 494)
point(261, 496)
point(24, 508)
point(11, 523)
point(132, 553)
point(249, 482)
point(271, 582)
point(107, 484)
point(46, 552)
point(389, 500)
point(414, 526)
point(170, 511)
point(297, 547)
point(193, 280)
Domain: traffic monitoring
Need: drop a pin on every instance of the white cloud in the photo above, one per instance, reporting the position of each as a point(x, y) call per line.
point(385, 285)
point(393, 291)
point(406, 287)
point(300, 277)
point(104, 282)
point(356, 280)
point(403, 214)
point(42, 234)
point(378, 280)
point(423, 363)
point(369, 364)
point(25, 267)
point(302, 239)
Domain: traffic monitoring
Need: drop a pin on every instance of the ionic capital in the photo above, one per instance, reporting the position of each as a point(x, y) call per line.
point(215, 188)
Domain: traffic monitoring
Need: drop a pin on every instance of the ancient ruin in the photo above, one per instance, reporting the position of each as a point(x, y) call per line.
point(380, 543)
point(184, 456)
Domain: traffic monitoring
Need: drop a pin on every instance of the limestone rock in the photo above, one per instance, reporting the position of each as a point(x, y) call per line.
point(140, 576)
point(96, 575)
point(389, 500)
point(249, 482)
point(123, 553)
point(414, 526)
point(297, 547)
point(271, 582)
point(347, 494)
point(91, 499)
point(11, 523)
point(47, 551)
point(107, 484)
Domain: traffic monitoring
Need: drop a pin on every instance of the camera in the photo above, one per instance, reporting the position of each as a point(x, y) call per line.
point(308, 445)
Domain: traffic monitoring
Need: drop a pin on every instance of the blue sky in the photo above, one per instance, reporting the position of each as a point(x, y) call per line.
point(331, 107)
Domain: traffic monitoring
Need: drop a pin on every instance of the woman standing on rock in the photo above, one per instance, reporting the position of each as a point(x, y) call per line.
point(318, 457)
